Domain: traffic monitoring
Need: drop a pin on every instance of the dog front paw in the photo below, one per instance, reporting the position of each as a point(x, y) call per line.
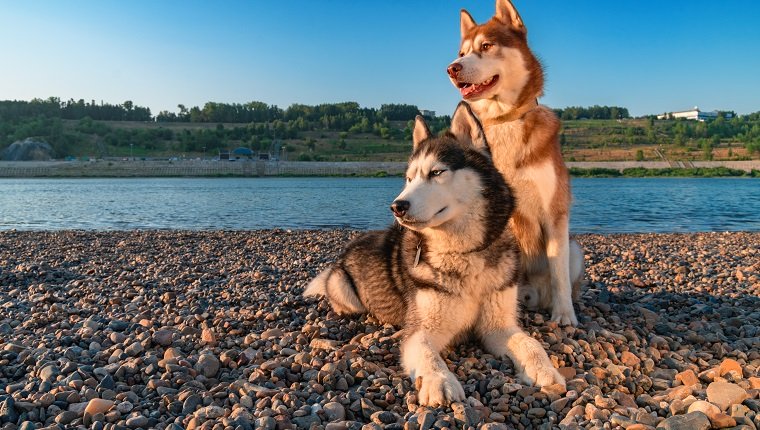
point(564, 315)
point(438, 389)
point(541, 374)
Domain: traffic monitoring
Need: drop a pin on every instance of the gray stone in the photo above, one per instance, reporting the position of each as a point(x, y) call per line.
point(49, 372)
point(266, 423)
point(136, 421)
point(691, 421)
point(118, 325)
point(191, 403)
point(207, 365)
point(134, 349)
point(27, 425)
point(8, 412)
point(426, 420)
point(306, 421)
point(66, 417)
point(334, 411)
point(163, 337)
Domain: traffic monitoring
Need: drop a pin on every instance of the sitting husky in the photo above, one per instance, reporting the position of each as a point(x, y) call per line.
point(448, 268)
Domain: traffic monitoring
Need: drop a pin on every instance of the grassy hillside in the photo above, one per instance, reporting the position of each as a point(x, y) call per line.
point(343, 132)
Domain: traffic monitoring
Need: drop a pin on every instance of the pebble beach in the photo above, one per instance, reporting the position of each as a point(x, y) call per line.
point(208, 330)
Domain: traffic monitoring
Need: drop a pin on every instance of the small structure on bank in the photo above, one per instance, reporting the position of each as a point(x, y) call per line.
point(29, 149)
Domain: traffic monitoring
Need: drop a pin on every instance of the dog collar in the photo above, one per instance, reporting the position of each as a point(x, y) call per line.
point(512, 115)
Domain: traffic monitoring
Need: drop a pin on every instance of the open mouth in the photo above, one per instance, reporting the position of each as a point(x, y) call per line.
point(469, 90)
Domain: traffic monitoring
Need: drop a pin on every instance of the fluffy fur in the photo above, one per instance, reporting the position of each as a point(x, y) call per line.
point(448, 268)
point(500, 77)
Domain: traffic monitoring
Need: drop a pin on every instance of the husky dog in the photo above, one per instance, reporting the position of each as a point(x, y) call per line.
point(500, 77)
point(447, 269)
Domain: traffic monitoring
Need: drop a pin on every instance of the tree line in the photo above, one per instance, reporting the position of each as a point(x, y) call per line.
point(592, 112)
point(257, 125)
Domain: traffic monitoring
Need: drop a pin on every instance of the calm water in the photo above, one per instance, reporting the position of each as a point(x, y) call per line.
point(601, 205)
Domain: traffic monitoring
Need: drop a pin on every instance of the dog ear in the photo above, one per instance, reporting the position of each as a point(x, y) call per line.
point(421, 131)
point(506, 13)
point(466, 23)
point(467, 129)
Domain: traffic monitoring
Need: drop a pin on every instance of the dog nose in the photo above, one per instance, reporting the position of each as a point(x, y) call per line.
point(454, 69)
point(399, 207)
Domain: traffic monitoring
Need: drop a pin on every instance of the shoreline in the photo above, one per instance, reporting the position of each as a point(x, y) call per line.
point(170, 329)
point(260, 168)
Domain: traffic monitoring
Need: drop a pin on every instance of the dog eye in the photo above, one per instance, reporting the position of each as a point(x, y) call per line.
point(486, 46)
point(408, 179)
point(436, 172)
point(461, 54)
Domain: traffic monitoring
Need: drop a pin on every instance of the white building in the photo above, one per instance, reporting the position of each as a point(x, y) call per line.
point(694, 114)
point(428, 113)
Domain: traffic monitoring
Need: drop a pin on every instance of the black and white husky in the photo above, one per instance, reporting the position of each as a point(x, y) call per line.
point(447, 269)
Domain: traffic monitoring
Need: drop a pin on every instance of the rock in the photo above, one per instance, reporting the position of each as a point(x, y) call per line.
point(98, 406)
point(706, 408)
point(536, 412)
point(209, 412)
point(208, 337)
point(494, 426)
point(334, 411)
point(725, 394)
point(326, 344)
point(207, 365)
point(629, 359)
point(271, 333)
point(687, 377)
point(721, 420)
point(691, 421)
point(731, 366)
point(305, 422)
point(49, 372)
point(134, 349)
point(8, 412)
point(754, 383)
point(66, 417)
point(27, 425)
point(118, 325)
point(368, 408)
point(136, 421)
point(191, 403)
point(163, 337)
point(426, 420)
point(383, 417)
point(559, 404)
point(266, 423)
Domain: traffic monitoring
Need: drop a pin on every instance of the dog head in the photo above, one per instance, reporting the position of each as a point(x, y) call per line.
point(451, 179)
point(495, 63)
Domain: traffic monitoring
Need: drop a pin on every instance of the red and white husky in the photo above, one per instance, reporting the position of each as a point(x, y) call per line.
point(500, 77)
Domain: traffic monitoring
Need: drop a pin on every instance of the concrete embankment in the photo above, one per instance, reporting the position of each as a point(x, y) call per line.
point(211, 168)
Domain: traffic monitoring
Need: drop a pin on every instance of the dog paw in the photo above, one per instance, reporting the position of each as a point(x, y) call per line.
point(438, 389)
point(541, 375)
point(529, 297)
point(564, 316)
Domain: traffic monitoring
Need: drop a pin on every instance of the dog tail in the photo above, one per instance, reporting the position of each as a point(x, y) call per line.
point(336, 284)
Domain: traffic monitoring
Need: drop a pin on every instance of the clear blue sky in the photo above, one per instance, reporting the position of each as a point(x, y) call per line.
point(649, 56)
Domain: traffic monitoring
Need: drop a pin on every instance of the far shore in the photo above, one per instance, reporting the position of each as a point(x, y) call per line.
point(261, 168)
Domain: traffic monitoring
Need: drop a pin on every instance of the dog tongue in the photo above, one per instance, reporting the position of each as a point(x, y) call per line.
point(466, 91)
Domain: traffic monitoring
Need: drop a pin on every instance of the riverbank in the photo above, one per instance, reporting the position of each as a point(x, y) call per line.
point(173, 329)
point(254, 168)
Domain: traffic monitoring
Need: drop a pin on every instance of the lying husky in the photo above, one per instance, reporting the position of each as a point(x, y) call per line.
point(498, 75)
point(447, 269)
